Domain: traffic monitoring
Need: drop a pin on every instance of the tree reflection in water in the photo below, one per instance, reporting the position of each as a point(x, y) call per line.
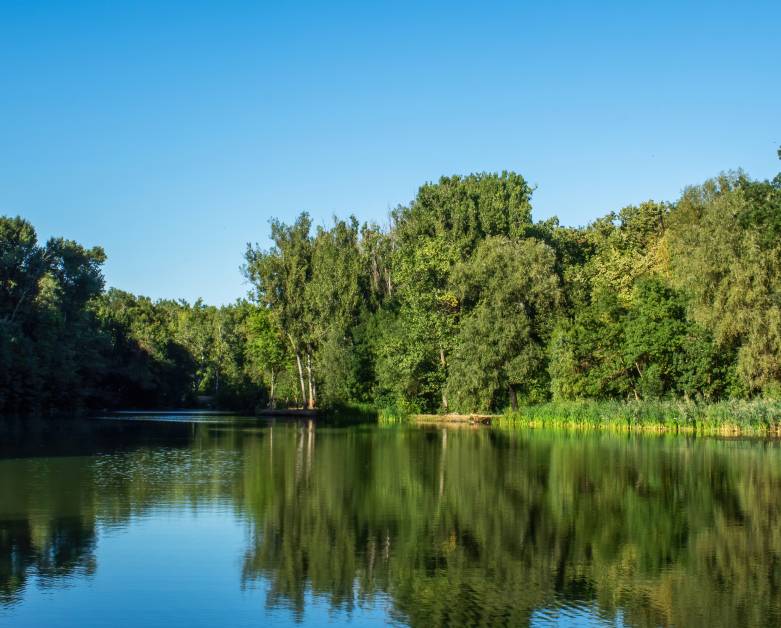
point(457, 527)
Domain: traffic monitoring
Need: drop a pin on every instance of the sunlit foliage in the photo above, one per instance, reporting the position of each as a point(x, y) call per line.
point(461, 303)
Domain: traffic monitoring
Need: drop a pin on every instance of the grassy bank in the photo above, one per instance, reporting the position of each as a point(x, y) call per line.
point(758, 417)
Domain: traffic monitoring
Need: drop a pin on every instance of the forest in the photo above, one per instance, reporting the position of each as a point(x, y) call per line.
point(461, 303)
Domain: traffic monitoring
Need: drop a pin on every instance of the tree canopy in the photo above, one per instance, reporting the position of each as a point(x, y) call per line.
point(461, 303)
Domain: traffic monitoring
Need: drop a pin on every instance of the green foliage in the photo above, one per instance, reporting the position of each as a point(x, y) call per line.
point(65, 344)
point(313, 286)
point(587, 360)
point(724, 256)
point(462, 303)
point(148, 367)
point(265, 351)
point(51, 354)
point(509, 291)
point(442, 228)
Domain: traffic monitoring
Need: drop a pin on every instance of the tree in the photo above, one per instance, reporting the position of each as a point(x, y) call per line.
point(50, 347)
point(724, 257)
point(333, 297)
point(586, 356)
point(280, 276)
point(265, 349)
point(22, 265)
point(440, 229)
point(510, 292)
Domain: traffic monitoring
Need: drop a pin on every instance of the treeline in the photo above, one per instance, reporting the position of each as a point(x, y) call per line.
point(462, 303)
point(465, 303)
point(68, 344)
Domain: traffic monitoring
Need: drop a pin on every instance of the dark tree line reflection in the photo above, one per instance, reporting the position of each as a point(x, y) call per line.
point(455, 527)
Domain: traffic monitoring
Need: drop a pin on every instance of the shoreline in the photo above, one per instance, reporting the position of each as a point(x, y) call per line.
point(723, 418)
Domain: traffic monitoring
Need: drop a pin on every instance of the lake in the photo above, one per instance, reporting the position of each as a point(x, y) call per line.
point(197, 519)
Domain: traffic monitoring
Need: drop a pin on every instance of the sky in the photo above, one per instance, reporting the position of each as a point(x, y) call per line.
point(170, 133)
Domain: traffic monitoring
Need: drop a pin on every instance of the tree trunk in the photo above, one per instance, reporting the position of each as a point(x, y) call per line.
point(301, 379)
point(312, 394)
point(376, 279)
point(513, 397)
point(18, 304)
point(443, 363)
point(271, 402)
point(634, 388)
point(300, 371)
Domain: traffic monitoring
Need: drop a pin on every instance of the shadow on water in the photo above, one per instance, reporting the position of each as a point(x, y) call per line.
point(450, 527)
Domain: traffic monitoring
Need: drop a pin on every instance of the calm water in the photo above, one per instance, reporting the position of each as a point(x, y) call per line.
point(221, 521)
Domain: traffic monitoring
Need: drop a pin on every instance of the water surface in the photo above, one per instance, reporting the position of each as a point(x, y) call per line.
point(204, 520)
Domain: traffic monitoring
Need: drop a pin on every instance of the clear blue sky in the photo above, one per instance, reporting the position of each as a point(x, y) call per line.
point(170, 132)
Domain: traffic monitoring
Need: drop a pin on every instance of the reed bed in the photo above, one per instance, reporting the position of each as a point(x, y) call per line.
point(754, 417)
point(728, 418)
point(392, 415)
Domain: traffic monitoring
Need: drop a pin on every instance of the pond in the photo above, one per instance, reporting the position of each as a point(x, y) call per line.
point(203, 519)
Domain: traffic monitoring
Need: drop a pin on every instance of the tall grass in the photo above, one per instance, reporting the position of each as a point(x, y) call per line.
point(757, 417)
point(392, 415)
point(724, 417)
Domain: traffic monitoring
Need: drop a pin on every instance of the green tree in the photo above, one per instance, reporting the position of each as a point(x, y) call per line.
point(265, 349)
point(723, 255)
point(586, 356)
point(509, 291)
point(334, 294)
point(280, 276)
point(440, 229)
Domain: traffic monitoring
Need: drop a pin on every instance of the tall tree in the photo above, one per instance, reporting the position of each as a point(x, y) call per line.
point(333, 297)
point(265, 349)
point(509, 291)
point(280, 276)
point(723, 255)
point(441, 228)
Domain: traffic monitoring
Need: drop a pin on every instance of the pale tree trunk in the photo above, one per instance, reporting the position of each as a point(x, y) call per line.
point(634, 389)
point(219, 355)
point(18, 304)
point(300, 371)
point(301, 379)
point(513, 397)
point(376, 279)
point(312, 390)
point(271, 401)
point(443, 363)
